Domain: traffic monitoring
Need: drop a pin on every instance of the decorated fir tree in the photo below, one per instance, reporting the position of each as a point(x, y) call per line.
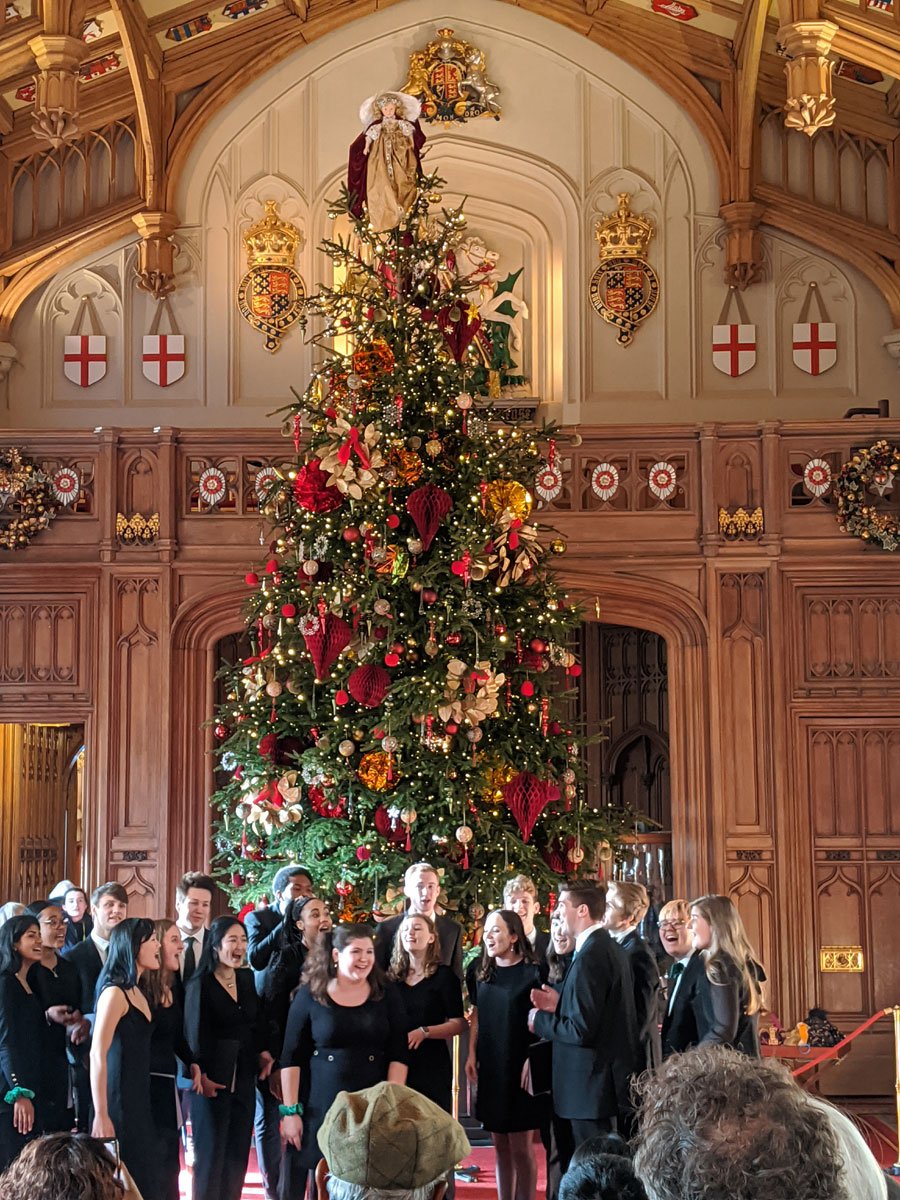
point(408, 692)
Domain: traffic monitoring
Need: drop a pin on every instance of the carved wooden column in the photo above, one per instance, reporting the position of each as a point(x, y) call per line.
point(58, 57)
point(156, 252)
point(744, 258)
point(810, 99)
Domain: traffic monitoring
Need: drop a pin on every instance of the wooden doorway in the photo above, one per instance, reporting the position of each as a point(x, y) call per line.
point(41, 808)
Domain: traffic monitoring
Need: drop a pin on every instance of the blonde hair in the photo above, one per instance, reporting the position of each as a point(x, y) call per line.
point(400, 958)
point(631, 899)
point(730, 951)
point(675, 910)
point(518, 883)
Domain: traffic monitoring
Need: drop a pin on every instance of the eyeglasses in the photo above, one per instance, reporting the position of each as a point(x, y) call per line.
point(53, 922)
point(672, 924)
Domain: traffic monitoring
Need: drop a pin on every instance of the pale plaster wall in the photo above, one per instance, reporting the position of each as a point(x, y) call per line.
point(578, 126)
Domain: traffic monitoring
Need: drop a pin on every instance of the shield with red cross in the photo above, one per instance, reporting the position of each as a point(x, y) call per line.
point(815, 346)
point(734, 348)
point(84, 358)
point(163, 358)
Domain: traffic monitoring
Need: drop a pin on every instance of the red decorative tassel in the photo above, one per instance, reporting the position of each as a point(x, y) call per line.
point(484, 487)
point(518, 647)
point(296, 433)
point(551, 457)
point(465, 859)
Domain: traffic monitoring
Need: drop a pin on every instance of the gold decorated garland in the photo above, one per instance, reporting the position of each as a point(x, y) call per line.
point(26, 492)
point(875, 468)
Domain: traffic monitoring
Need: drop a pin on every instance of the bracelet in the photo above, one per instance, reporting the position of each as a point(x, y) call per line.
point(18, 1093)
point(426, 1030)
point(290, 1110)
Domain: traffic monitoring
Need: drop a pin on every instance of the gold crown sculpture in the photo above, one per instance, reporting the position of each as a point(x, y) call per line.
point(623, 232)
point(272, 242)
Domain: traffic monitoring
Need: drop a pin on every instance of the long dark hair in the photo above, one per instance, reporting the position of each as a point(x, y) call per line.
point(287, 960)
point(513, 923)
point(215, 936)
point(125, 941)
point(10, 932)
point(320, 968)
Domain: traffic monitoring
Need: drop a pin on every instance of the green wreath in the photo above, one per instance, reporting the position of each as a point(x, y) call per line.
point(25, 492)
point(875, 468)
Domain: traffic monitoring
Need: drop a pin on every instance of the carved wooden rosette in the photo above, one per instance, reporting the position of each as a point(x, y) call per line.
point(58, 58)
point(156, 252)
point(810, 100)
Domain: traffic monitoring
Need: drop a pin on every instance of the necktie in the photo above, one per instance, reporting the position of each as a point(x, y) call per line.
point(675, 970)
point(190, 961)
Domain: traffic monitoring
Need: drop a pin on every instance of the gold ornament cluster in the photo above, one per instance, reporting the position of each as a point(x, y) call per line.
point(875, 468)
point(26, 495)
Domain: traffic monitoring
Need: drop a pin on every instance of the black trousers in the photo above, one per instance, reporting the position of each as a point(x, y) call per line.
point(266, 1125)
point(222, 1131)
point(583, 1128)
point(556, 1136)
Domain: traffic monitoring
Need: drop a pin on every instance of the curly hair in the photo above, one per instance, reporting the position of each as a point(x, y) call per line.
point(730, 957)
point(320, 968)
point(601, 1177)
point(717, 1123)
point(66, 1166)
point(400, 959)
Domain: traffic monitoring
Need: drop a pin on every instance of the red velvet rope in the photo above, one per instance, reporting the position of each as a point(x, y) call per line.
point(831, 1051)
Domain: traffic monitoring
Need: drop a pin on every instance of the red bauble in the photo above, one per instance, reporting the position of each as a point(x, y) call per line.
point(351, 534)
point(394, 832)
point(289, 610)
point(451, 727)
point(271, 566)
point(526, 797)
point(322, 806)
point(363, 853)
point(393, 521)
point(268, 744)
point(221, 731)
point(538, 645)
point(251, 579)
point(369, 685)
point(392, 660)
point(527, 688)
point(311, 489)
point(574, 670)
point(428, 505)
point(325, 644)
point(429, 595)
point(453, 639)
point(341, 697)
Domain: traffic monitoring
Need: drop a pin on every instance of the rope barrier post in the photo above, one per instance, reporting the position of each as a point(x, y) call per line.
point(895, 1169)
point(455, 1091)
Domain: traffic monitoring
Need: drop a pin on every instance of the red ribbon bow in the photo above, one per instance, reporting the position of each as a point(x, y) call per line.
point(353, 443)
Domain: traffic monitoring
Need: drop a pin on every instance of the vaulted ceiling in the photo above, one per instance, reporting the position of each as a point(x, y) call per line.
point(150, 74)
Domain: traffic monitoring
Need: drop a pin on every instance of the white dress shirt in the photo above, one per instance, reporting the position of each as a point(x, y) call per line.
point(586, 933)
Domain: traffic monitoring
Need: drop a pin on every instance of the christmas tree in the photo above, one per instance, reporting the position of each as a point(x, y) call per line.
point(408, 695)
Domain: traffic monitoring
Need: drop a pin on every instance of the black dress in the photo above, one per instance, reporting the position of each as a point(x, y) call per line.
point(226, 1037)
point(720, 1010)
point(59, 985)
point(128, 1098)
point(21, 1033)
point(339, 1048)
point(503, 1002)
point(432, 1001)
point(166, 1043)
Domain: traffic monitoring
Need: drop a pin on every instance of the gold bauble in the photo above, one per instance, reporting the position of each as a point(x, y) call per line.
point(374, 358)
point(373, 771)
point(558, 546)
point(407, 464)
point(507, 495)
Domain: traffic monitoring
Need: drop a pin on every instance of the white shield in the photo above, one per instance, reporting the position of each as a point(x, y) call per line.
point(815, 346)
point(84, 358)
point(734, 348)
point(163, 358)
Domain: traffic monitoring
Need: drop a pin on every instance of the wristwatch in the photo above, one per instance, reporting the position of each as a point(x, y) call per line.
point(426, 1029)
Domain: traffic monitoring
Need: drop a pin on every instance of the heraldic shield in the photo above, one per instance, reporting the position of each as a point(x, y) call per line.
point(624, 291)
point(271, 299)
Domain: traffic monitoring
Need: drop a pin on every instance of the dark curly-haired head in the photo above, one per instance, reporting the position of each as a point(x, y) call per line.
point(601, 1177)
point(715, 1124)
point(66, 1166)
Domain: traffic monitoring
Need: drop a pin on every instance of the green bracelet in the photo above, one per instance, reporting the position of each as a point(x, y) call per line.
point(290, 1110)
point(18, 1093)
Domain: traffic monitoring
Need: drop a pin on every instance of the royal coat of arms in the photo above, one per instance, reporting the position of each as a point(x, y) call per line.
point(272, 296)
point(624, 288)
point(449, 78)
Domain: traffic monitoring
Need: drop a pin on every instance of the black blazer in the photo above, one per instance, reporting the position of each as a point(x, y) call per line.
point(647, 987)
point(679, 1027)
point(85, 958)
point(449, 934)
point(21, 1042)
point(541, 942)
point(263, 927)
point(225, 1036)
point(720, 1011)
point(594, 1033)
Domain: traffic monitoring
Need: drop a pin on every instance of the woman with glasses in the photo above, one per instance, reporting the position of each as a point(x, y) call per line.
point(58, 986)
point(679, 1026)
point(728, 997)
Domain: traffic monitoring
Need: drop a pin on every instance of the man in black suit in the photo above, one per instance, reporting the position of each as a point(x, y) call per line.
point(520, 897)
point(591, 1022)
point(264, 932)
point(679, 1027)
point(422, 886)
point(109, 907)
point(626, 907)
point(78, 919)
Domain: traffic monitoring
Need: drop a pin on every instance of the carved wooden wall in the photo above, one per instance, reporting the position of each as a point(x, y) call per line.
point(782, 653)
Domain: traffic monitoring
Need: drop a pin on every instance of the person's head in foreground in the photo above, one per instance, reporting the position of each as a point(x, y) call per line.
point(64, 1166)
point(719, 1125)
point(601, 1177)
point(387, 1143)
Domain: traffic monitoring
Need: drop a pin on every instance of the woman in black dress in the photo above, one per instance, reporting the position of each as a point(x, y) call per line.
point(120, 1052)
point(304, 920)
point(226, 1030)
point(21, 1037)
point(728, 995)
point(346, 1031)
point(432, 999)
point(165, 995)
point(500, 989)
point(58, 985)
